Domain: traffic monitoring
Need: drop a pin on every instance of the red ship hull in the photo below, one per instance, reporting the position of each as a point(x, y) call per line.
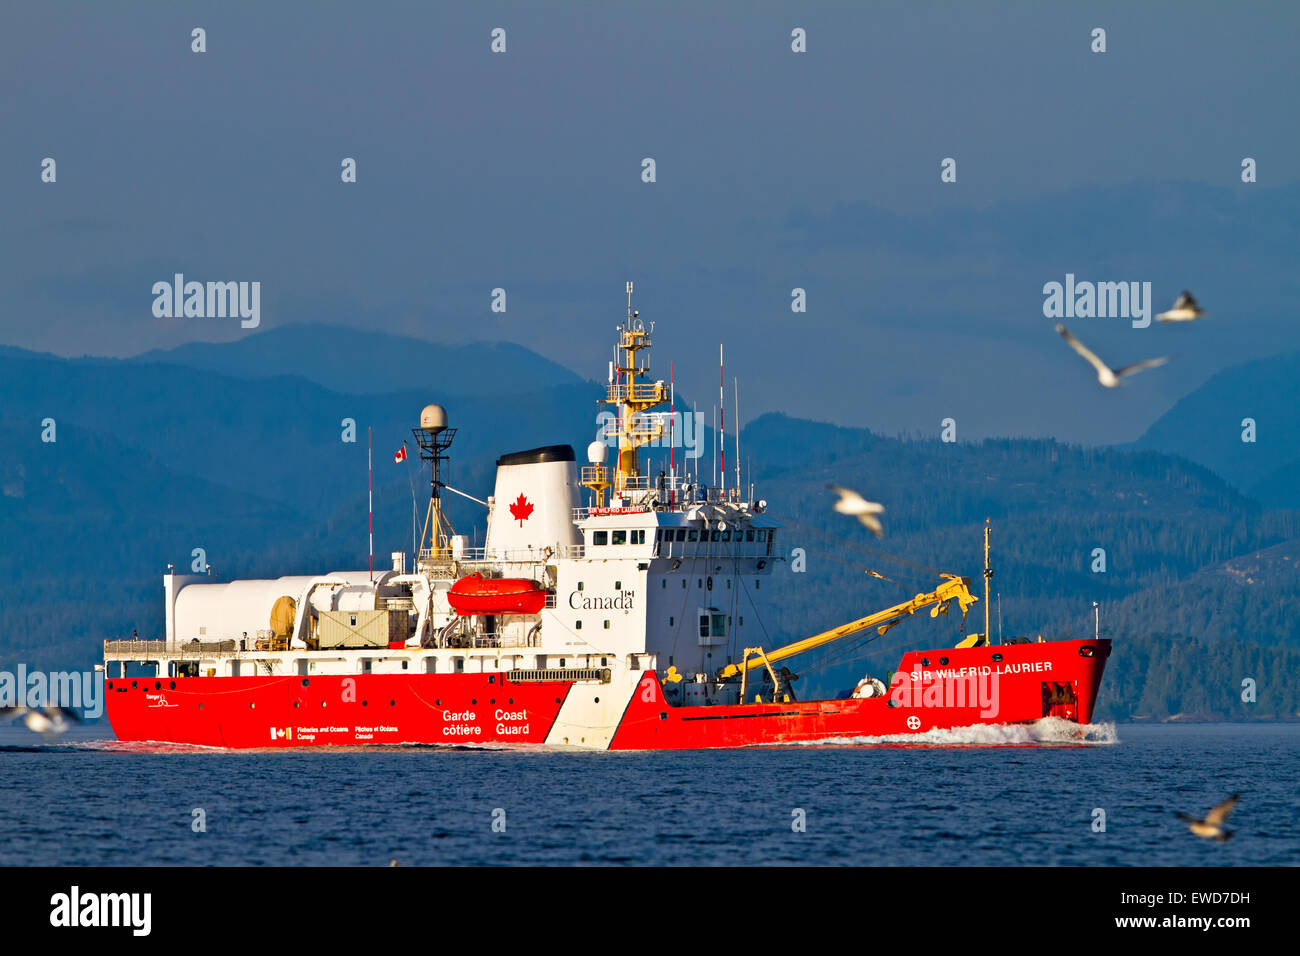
point(1005, 684)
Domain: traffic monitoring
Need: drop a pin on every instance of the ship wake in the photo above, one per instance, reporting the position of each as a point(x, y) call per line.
point(1050, 731)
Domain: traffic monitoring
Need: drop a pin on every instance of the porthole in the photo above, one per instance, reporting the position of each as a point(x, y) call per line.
point(305, 682)
point(392, 703)
point(251, 705)
point(997, 658)
point(172, 685)
point(365, 703)
point(943, 660)
point(925, 662)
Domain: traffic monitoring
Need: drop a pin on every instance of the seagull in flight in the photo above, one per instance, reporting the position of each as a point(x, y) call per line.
point(852, 503)
point(1109, 377)
point(1211, 828)
point(49, 722)
point(1185, 309)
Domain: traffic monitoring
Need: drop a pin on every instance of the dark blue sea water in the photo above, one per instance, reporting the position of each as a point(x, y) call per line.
point(956, 801)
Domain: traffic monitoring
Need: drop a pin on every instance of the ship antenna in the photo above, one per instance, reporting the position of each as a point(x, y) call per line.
point(988, 576)
point(672, 433)
point(370, 498)
point(736, 384)
point(722, 431)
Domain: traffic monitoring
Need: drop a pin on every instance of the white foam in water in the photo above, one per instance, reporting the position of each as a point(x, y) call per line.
point(1049, 730)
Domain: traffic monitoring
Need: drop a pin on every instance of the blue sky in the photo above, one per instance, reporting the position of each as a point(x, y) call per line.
point(775, 170)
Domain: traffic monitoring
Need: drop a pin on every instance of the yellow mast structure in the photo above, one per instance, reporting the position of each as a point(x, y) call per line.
point(631, 398)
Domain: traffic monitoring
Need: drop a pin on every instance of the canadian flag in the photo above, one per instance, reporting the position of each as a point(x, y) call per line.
point(400, 455)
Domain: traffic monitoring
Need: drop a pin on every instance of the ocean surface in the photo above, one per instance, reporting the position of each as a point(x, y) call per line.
point(986, 796)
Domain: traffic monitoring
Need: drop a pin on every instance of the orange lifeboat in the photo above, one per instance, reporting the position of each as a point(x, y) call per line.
point(476, 594)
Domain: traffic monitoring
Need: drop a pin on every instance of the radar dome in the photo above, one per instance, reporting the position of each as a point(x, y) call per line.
point(596, 452)
point(433, 418)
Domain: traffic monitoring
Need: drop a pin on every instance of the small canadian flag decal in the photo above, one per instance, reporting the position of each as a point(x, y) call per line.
point(521, 509)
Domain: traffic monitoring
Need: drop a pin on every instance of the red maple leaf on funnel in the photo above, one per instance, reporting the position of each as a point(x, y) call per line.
point(521, 509)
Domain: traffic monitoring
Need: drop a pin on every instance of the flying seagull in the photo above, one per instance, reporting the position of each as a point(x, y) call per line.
point(49, 722)
point(1186, 309)
point(1108, 376)
point(1212, 826)
point(852, 503)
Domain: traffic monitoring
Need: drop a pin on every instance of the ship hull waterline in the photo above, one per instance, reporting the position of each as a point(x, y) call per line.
point(953, 688)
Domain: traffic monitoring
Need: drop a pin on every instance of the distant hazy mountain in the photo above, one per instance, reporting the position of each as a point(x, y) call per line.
point(283, 437)
point(1206, 427)
point(363, 362)
point(87, 527)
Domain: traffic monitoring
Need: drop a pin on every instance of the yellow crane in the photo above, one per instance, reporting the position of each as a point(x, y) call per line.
point(953, 588)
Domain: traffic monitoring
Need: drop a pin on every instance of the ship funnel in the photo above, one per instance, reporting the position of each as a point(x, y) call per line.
point(532, 507)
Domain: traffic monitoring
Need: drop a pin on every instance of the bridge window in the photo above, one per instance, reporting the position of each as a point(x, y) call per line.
point(726, 536)
point(618, 537)
point(762, 535)
point(600, 537)
point(638, 536)
point(681, 534)
point(749, 535)
point(713, 625)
